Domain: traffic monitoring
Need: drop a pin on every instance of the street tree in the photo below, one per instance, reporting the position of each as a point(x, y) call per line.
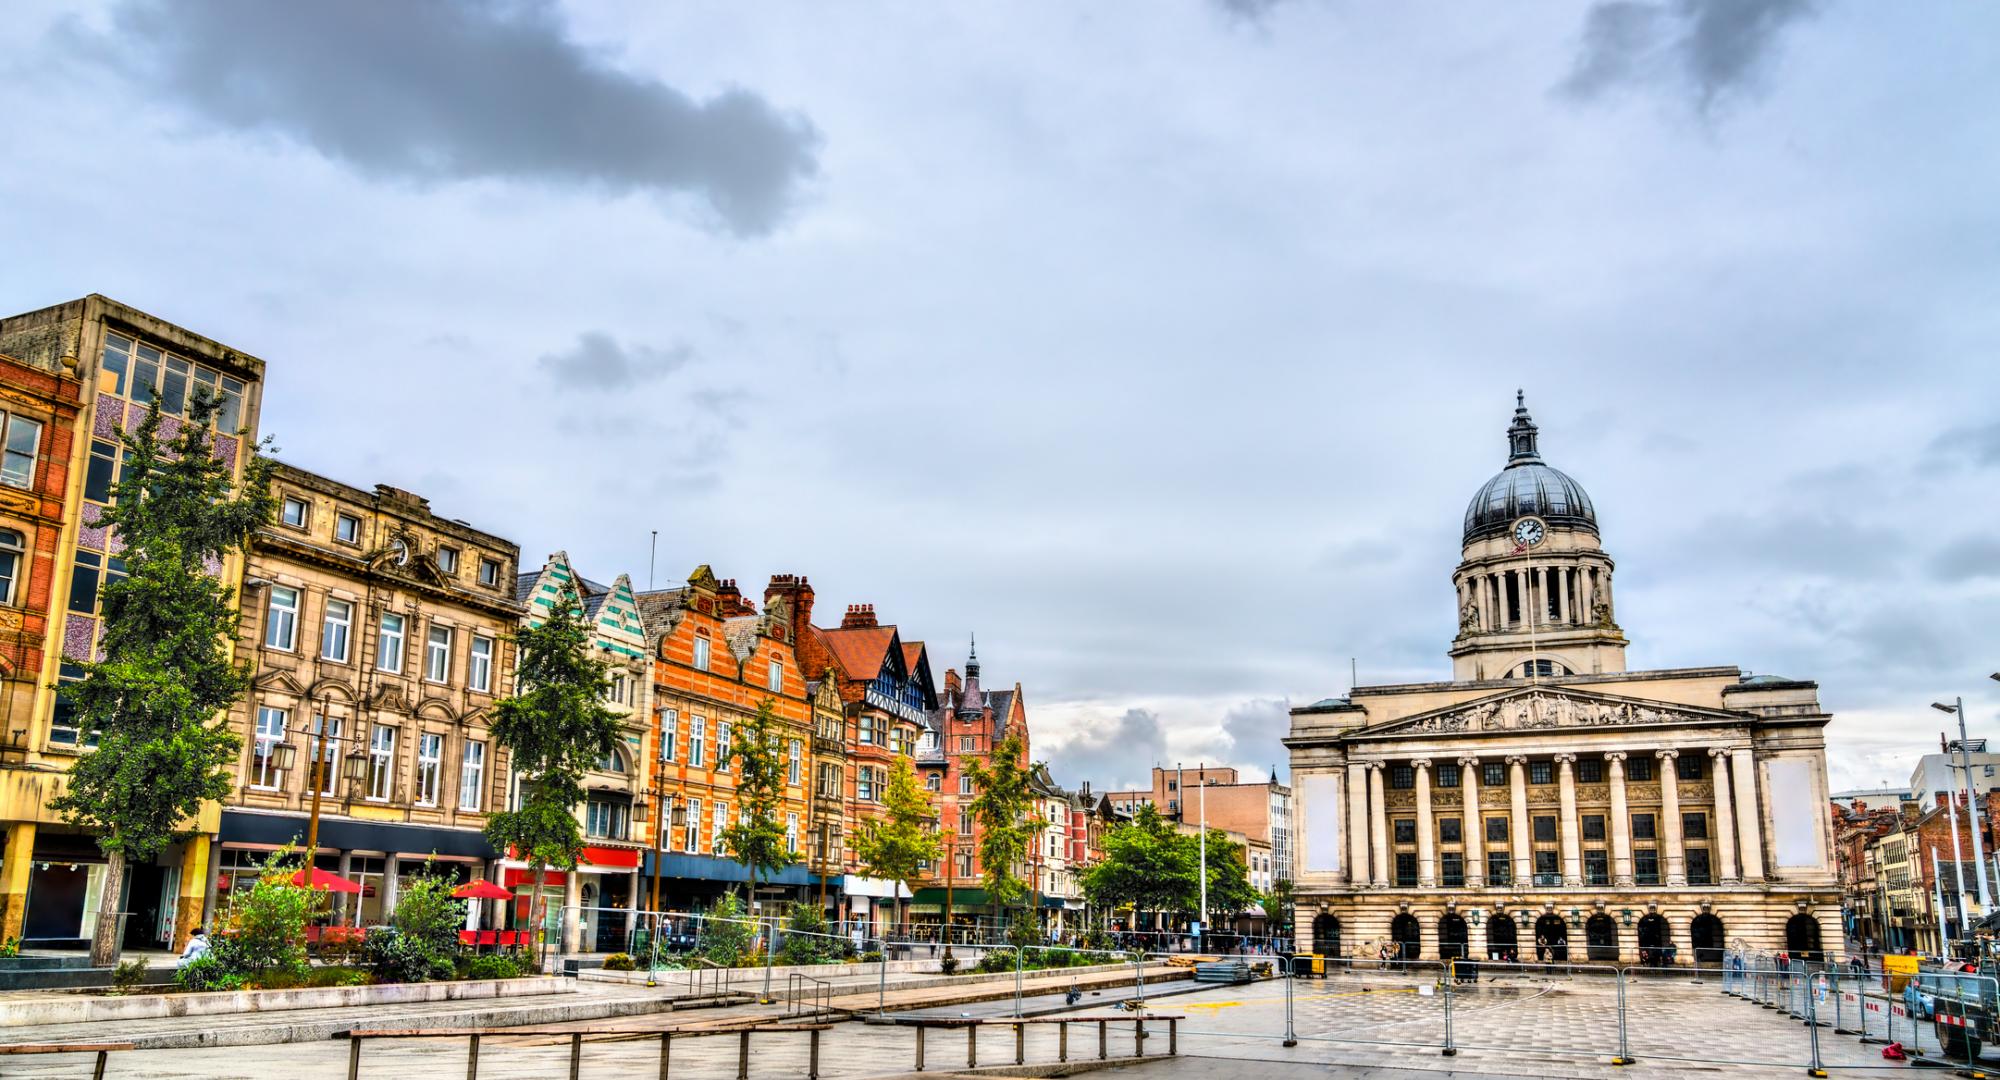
point(899, 844)
point(1146, 866)
point(555, 728)
point(155, 700)
point(1003, 808)
point(757, 837)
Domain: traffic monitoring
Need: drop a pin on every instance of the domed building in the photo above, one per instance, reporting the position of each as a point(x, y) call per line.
point(1547, 798)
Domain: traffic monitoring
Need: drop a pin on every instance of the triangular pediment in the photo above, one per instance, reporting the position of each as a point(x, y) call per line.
point(1534, 708)
point(279, 680)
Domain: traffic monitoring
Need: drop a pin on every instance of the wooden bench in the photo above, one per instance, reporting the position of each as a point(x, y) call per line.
point(101, 1049)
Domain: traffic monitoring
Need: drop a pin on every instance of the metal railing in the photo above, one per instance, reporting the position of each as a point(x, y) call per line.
point(474, 1038)
point(805, 995)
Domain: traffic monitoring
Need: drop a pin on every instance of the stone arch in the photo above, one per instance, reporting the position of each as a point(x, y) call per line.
point(1655, 940)
point(1600, 933)
point(1705, 936)
point(1551, 939)
point(1408, 936)
point(1452, 936)
point(1326, 934)
point(1502, 941)
point(1802, 938)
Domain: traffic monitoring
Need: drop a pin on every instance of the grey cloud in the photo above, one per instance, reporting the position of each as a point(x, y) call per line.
point(1120, 754)
point(1711, 47)
point(459, 91)
point(1978, 444)
point(1254, 729)
point(1249, 10)
point(1802, 543)
point(598, 362)
point(1966, 558)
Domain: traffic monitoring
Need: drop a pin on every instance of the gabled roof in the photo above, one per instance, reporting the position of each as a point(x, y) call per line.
point(861, 651)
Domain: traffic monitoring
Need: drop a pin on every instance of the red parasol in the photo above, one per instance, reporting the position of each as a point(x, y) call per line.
point(331, 882)
point(481, 890)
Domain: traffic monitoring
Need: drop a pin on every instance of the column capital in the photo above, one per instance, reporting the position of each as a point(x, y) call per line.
point(1469, 761)
point(1420, 763)
point(1517, 759)
point(1373, 766)
point(1718, 751)
point(1666, 755)
point(1616, 757)
point(1565, 759)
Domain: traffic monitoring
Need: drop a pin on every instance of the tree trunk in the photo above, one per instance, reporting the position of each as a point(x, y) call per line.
point(104, 944)
point(536, 937)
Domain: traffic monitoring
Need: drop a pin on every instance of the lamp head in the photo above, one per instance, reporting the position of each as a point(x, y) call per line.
point(1943, 708)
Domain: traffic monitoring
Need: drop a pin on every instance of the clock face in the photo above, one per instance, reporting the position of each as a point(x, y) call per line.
point(1530, 531)
point(401, 549)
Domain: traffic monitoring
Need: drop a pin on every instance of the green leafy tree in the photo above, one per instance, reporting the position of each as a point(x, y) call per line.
point(899, 844)
point(1146, 865)
point(555, 727)
point(1003, 807)
point(1229, 888)
point(1280, 903)
point(757, 837)
point(263, 935)
point(157, 698)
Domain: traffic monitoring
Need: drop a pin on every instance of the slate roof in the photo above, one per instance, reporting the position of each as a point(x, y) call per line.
point(659, 607)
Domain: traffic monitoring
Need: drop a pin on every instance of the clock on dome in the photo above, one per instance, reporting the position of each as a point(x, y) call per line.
point(1530, 531)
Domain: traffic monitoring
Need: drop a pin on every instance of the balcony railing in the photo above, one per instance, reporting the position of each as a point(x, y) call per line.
point(1548, 881)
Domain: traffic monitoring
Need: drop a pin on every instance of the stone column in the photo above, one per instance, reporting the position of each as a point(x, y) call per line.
point(1524, 859)
point(1621, 821)
point(1357, 824)
point(188, 914)
point(1674, 857)
point(573, 916)
point(1572, 853)
point(1426, 836)
point(1378, 825)
point(1562, 579)
point(1583, 589)
point(15, 867)
point(1521, 591)
point(1749, 826)
point(1474, 825)
point(1723, 837)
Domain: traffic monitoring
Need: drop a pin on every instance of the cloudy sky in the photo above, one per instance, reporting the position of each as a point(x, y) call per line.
point(1160, 342)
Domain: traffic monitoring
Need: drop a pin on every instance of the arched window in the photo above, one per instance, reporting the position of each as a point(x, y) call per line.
point(12, 548)
point(612, 761)
point(1543, 668)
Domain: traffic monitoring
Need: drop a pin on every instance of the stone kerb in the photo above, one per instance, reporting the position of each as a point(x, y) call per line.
point(94, 1009)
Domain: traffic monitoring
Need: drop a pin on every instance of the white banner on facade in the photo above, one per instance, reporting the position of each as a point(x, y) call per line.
point(1319, 797)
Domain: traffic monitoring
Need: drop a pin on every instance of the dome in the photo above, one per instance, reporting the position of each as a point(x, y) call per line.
point(1525, 487)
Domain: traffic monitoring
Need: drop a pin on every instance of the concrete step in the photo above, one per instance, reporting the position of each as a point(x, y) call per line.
point(312, 1025)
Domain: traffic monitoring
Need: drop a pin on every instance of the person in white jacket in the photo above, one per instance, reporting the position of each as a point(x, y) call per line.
point(196, 948)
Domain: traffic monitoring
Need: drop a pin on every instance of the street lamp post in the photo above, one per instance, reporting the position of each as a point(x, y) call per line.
point(1972, 803)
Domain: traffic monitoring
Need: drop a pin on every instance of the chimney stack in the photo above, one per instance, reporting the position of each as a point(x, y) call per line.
point(859, 616)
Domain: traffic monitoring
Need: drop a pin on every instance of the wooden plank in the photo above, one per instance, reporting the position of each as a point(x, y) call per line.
point(63, 1048)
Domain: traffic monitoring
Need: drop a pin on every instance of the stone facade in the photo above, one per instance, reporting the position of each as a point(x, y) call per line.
point(1549, 794)
point(381, 631)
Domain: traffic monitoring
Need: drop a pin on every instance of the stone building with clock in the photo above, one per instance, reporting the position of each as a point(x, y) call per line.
point(1546, 796)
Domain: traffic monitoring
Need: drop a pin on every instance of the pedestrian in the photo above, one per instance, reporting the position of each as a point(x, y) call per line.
point(196, 948)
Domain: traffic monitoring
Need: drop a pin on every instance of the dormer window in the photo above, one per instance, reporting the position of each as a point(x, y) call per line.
point(777, 675)
point(701, 652)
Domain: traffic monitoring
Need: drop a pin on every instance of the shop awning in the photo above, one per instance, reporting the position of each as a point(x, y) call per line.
point(960, 898)
point(681, 864)
point(347, 834)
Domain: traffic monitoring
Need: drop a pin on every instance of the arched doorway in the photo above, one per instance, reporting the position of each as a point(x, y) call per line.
point(1552, 939)
point(1600, 934)
point(1502, 943)
point(1409, 937)
point(1452, 936)
point(1802, 938)
point(1705, 934)
point(1326, 935)
point(1654, 941)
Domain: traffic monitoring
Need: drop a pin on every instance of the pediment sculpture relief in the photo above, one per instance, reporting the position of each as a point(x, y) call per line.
point(1528, 712)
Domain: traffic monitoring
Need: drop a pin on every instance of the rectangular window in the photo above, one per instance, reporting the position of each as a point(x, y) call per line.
point(1547, 866)
point(725, 745)
point(381, 763)
point(776, 675)
point(389, 644)
point(865, 730)
point(1406, 831)
point(264, 750)
point(1590, 770)
point(864, 784)
point(1596, 869)
point(791, 834)
point(1451, 870)
point(1402, 777)
point(670, 725)
point(333, 630)
point(479, 672)
point(697, 740)
point(1492, 773)
point(447, 560)
point(1406, 870)
point(1496, 830)
point(281, 619)
point(1593, 827)
point(1545, 830)
point(347, 528)
point(701, 653)
point(965, 744)
point(716, 843)
point(1697, 867)
point(1450, 830)
point(964, 784)
point(329, 775)
point(691, 829)
point(1541, 772)
point(489, 572)
point(1694, 826)
point(430, 763)
point(294, 512)
point(965, 824)
point(23, 441)
point(112, 367)
point(471, 775)
point(1447, 776)
point(1499, 869)
point(1645, 866)
point(1639, 769)
point(1642, 827)
point(100, 474)
point(1689, 766)
point(437, 655)
point(795, 764)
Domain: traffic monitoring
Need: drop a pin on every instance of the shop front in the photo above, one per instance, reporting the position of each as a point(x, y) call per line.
point(690, 883)
point(382, 857)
